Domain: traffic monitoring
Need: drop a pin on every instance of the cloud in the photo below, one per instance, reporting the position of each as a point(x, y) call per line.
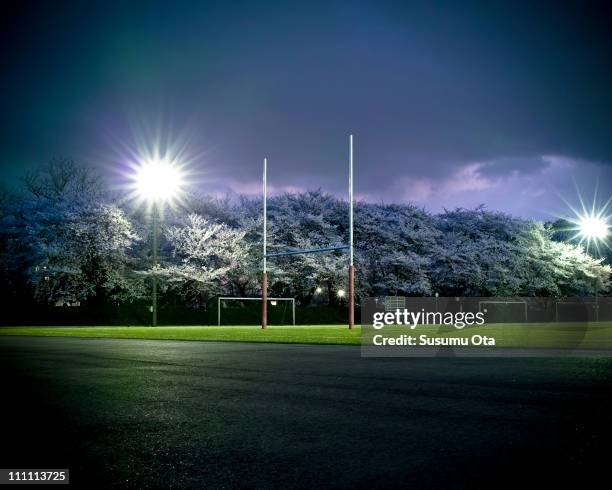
point(539, 187)
point(509, 166)
point(425, 190)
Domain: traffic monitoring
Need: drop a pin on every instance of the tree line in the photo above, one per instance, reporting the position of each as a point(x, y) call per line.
point(66, 238)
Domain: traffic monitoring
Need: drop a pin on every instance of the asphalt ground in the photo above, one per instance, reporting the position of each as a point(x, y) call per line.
point(168, 414)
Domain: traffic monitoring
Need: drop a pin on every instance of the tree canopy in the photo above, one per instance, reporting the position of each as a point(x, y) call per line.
point(65, 237)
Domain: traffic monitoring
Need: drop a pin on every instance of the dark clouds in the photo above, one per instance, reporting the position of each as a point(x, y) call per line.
point(434, 91)
point(512, 166)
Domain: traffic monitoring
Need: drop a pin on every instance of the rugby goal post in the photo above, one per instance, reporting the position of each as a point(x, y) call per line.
point(328, 248)
point(237, 298)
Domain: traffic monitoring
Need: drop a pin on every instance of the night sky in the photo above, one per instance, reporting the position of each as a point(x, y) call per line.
point(451, 103)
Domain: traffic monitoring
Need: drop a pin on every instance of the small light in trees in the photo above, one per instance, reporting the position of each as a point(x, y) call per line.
point(341, 293)
point(273, 303)
point(319, 290)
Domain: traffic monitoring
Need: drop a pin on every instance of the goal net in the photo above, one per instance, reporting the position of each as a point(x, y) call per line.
point(394, 303)
point(232, 310)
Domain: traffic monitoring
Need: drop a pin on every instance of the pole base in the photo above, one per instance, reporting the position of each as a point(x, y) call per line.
point(264, 300)
point(351, 298)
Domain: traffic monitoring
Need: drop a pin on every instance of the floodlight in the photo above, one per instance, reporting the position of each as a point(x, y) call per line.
point(593, 227)
point(158, 180)
point(341, 293)
point(319, 290)
point(589, 223)
point(273, 303)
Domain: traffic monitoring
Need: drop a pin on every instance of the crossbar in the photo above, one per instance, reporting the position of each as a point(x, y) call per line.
point(307, 251)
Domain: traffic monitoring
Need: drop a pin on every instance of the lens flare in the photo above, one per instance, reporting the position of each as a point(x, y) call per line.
point(589, 224)
point(593, 228)
point(158, 180)
point(157, 165)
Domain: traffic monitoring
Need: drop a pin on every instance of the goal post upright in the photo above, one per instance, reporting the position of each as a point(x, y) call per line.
point(351, 269)
point(264, 278)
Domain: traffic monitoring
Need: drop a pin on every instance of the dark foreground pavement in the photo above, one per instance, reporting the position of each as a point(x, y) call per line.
point(129, 413)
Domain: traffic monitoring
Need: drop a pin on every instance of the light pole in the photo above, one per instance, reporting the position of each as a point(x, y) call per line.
point(157, 181)
point(154, 270)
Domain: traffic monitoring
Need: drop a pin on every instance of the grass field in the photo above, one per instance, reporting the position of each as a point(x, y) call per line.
point(565, 335)
point(308, 334)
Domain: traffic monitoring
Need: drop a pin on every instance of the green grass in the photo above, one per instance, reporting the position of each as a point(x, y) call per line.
point(560, 335)
point(311, 334)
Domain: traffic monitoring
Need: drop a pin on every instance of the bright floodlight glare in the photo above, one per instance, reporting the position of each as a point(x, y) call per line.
point(319, 290)
point(341, 293)
point(158, 180)
point(593, 228)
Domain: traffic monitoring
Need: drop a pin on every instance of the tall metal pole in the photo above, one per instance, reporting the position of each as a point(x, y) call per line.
point(154, 275)
point(264, 279)
point(351, 278)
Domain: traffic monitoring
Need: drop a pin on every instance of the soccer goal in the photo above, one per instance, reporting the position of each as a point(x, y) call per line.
point(236, 302)
point(504, 311)
point(394, 303)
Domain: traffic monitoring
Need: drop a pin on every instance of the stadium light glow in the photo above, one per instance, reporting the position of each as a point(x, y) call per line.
point(593, 227)
point(589, 223)
point(341, 293)
point(158, 180)
point(319, 290)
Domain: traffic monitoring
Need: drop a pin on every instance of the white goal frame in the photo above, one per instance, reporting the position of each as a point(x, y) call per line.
point(480, 303)
point(237, 298)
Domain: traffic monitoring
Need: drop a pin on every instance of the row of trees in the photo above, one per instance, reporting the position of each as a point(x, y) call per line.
point(64, 237)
